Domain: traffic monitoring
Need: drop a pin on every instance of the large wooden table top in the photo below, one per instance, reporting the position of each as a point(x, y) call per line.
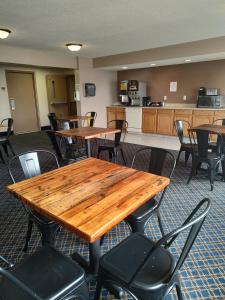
point(87, 132)
point(73, 118)
point(89, 197)
point(213, 128)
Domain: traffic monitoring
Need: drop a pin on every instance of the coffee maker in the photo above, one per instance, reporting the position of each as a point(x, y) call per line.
point(146, 101)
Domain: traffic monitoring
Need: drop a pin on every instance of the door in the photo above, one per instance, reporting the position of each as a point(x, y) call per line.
point(22, 101)
point(149, 120)
point(165, 121)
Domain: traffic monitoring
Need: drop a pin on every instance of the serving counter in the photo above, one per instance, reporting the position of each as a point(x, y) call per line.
point(160, 120)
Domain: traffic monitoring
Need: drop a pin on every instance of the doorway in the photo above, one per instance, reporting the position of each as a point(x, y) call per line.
point(22, 100)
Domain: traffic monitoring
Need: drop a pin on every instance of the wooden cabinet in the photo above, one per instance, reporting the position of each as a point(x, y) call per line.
point(149, 120)
point(57, 89)
point(183, 114)
point(219, 114)
point(202, 117)
point(116, 113)
point(165, 121)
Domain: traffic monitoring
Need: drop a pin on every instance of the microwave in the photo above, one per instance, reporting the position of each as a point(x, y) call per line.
point(211, 101)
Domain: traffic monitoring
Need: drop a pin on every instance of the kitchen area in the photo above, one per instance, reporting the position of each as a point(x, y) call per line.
point(151, 99)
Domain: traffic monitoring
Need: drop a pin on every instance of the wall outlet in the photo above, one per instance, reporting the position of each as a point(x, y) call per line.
point(164, 98)
point(184, 97)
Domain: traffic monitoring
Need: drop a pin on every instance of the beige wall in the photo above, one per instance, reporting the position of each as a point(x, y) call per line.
point(189, 77)
point(22, 56)
point(106, 90)
point(41, 91)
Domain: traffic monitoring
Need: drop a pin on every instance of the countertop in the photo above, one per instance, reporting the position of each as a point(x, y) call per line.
point(169, 107)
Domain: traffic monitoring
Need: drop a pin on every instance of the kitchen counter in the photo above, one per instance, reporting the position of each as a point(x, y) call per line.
point(170, 107)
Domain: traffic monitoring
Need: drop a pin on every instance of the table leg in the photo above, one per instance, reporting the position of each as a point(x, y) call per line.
point(94, 256)
point(90, 268)
point(88, 147)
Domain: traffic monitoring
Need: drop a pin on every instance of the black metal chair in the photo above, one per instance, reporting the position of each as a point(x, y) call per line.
point(53, 121)
point(45, 275)
point(115, 147)
point(204, 155)
point(213, 144)
point(58, 143)
point(90, 122)
point(157, 161)
point(146, 269)
point(27, 165)
point(188, 148)
point(4, 140)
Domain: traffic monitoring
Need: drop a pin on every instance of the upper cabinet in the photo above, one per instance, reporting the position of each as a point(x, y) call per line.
point(57, 88)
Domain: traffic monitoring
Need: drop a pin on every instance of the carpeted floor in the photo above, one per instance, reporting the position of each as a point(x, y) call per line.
point(203, 274)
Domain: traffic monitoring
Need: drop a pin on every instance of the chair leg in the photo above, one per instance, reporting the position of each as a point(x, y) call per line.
point(98, 154)
point(179, 294)
point(5, 149)
point(211, 175)
point(178, 157)
point(29, 231)
point(122, 154)
point(11, 148)
point(193, 168)
point(160, 223)
point(1, 156)
point(98, 289)
point(187, 154)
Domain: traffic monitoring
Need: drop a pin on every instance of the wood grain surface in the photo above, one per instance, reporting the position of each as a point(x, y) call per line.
point(87, 132)
point(89, 197)
point(73, 118)
point(212, 128)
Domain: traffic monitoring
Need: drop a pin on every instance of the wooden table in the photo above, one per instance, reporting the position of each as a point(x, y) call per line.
point(87, 133)
point(73, 119)
point(220, 129)
point(89, 197)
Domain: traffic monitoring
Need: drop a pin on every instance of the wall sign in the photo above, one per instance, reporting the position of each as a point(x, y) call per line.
point(173, 86)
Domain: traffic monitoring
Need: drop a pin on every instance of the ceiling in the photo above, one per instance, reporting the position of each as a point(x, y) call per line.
point(108, 27)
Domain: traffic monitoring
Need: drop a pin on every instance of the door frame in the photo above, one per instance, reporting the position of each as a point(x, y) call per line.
point(35, 92)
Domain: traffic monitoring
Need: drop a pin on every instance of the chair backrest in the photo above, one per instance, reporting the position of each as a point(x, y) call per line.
point(192, 224)
point(179, 126)
point(154, 160)
point(219, 122)
point(53, 121)
point(203, 142)
point(119, 124)
point(31, 163)
point(9, 123)
point(90, 122)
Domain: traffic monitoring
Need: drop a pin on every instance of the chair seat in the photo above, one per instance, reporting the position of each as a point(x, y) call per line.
point(48, 273)
point(3, 139)
point(109, 147)
point(144, 211)
point(124, 260)
point(190, 147)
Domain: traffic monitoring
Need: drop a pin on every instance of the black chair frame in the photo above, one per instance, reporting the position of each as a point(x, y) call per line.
point(212, 159)
point(59, 278)
point(47, 227)
point(188, 148)
point(5, 141)
point(93, 115)
point(114, 280)
point(137, 221)
point(115, 147)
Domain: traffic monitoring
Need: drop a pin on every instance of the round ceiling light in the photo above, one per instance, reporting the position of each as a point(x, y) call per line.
point(74, 47)
point(4, 33)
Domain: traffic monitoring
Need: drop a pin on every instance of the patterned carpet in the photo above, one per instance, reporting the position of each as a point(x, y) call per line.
point(202, 275)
